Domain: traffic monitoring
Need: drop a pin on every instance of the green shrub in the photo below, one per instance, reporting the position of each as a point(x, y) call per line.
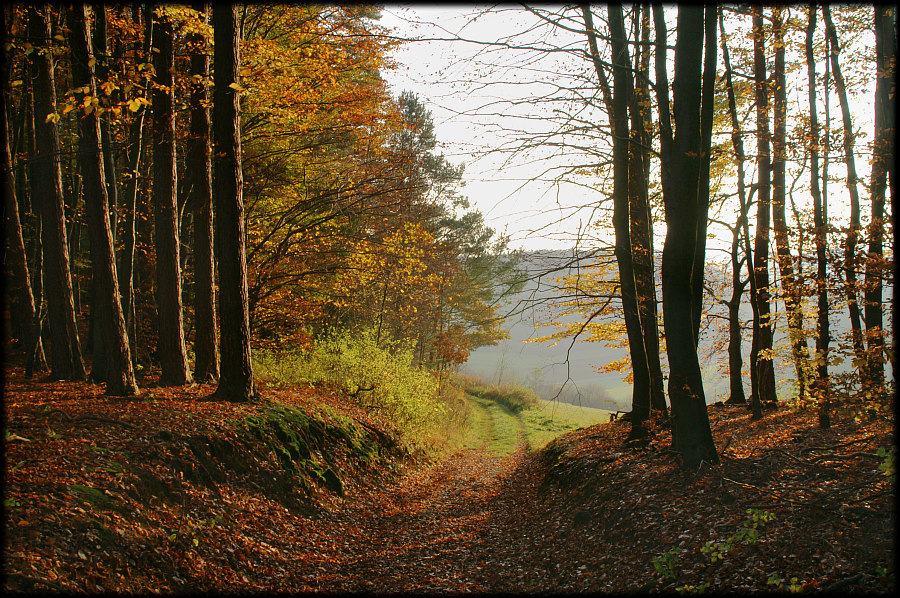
point(377, 377)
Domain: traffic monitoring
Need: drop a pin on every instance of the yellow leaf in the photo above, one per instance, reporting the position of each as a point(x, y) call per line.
point(52, 117)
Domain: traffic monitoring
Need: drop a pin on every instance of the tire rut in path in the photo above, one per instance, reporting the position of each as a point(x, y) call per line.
point(459, 525)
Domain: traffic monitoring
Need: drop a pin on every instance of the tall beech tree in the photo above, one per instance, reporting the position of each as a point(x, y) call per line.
point(851, 283)
point(236, 378)
point(199, 168)
point(819, 385)
point(706, 126)
point(111, 354)
point(133, 152)
point(639, 210)
point(681, 170)
point(762, 354)
point(21, 299)
point(640, 214)
point(617, 100)
point(22, 327)
point(66, 361)
point(789, 284)
point(741, 232)
point(100, 43)
point(882, 159)
point(171, 347)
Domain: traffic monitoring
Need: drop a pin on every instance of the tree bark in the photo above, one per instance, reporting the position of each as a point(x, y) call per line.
point(21, 300)
point(66, 362)
point(741, 232)
point(617, 101)
point(236, 379)
point(789, 283)
point(206, 358)
point(851, 283)
point(113, 340)
point(128, 232)
point(882, 155)
point(641, 217)
point(681, 172)
point(171, 346)
point(706, 122)
point(101, 53)
point(762, 352)
point(820, 385)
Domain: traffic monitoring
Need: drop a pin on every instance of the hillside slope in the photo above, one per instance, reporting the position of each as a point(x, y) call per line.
point(305, 492)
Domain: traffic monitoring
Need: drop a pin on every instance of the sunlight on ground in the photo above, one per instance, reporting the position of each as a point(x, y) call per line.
point(496, 428)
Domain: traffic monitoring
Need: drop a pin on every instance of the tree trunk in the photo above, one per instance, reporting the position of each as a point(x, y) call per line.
point(706, 122)
point(762, 353)
point(883, 153)
point(66, 362)
point(236, 379)
point(641, 217)
point(820, 385)
point(850, 261)
point(681, 172)
point(101, 53)
point(21, 300)
point(741, 232)
point(617, 102)
point(789, 284)
point(206, 364)
point(130, 192)
point(171, 347)
point(113, 340)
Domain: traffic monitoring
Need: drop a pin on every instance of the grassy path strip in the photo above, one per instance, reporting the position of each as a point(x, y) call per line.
point(498, 429)
point(494, 427)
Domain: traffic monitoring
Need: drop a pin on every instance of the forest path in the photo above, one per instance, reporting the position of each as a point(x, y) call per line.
point(460, 525)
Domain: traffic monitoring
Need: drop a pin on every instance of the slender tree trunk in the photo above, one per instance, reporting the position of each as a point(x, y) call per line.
point(820, 384)
point(883, 153)
point(850, 259)
point(236, 379)
point(112, 340)
point(641, 217)
point(706, 122)
point(66, 360)
point(681, 172)
point(765, 388)
point(171, 347)
point(127, 232)
point(101, 53)
point(206, 364)
point(617, 104)
point(21, 300)
point(735, 358)
point(789, 283)
point(741, 232)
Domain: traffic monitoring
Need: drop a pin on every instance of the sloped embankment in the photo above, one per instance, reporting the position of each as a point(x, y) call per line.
point(170, 492)
point(789, 505)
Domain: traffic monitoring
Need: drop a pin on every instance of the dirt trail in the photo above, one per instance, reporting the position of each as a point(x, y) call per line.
point(460, 525)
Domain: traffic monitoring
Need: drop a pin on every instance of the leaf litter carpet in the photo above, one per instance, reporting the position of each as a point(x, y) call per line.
point(93, 504)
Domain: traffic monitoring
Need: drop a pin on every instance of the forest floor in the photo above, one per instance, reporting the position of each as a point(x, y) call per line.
point(165, 493)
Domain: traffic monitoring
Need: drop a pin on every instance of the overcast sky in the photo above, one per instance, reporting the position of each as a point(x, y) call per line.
point(438, 73)
point(472, 90)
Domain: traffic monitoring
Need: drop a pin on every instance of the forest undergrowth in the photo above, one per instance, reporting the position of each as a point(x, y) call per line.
point(306, 490)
